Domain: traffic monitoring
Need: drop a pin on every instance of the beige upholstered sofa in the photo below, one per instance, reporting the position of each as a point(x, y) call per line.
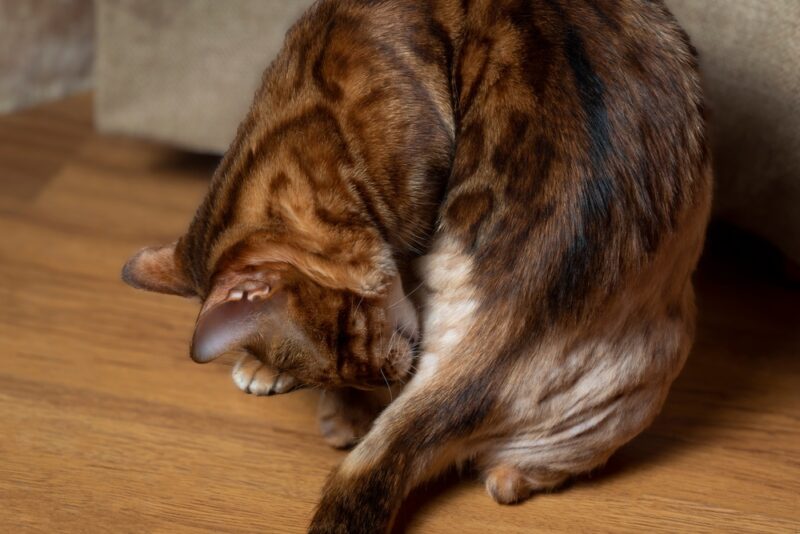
point(45, 50)
point(184, 72)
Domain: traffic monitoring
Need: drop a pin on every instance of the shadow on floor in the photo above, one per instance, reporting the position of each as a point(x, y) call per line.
point(747, 328)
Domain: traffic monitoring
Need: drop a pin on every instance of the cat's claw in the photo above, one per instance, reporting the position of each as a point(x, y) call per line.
point(255, 377)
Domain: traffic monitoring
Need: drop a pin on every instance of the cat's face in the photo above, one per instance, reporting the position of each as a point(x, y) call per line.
point(290, 313)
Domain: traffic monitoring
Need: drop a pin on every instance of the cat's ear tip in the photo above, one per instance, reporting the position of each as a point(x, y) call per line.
point(127, 276)
point(129, 273)
point(154, 269)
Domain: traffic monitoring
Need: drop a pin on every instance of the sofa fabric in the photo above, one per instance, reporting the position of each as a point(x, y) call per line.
point(184, 72)
point(750, 59)
point(46, 50)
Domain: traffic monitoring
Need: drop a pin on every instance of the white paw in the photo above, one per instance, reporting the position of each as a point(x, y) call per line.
point(253, 376)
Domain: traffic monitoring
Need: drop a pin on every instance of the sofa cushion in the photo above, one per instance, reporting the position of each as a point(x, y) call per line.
point(186, 76)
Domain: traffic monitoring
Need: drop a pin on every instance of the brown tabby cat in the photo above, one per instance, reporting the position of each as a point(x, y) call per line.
point(549, 158)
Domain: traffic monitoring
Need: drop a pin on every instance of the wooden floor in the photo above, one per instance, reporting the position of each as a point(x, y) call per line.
point(107, 425)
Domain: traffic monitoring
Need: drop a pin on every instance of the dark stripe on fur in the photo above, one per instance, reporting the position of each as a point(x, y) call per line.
point(585, 253)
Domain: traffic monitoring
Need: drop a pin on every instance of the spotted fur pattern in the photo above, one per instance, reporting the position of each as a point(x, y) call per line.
point(547, 160)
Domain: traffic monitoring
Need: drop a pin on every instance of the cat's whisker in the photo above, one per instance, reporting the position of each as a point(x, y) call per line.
point(391, 306)
point(415, 289)
point(391, 396)
point(358, 306)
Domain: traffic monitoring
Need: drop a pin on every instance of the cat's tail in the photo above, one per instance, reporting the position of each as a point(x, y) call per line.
point(421, 433)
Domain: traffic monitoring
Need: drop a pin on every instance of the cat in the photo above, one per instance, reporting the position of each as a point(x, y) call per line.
point(538, 169)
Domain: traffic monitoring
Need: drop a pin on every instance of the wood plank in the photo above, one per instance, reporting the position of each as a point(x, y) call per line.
point(105, 424)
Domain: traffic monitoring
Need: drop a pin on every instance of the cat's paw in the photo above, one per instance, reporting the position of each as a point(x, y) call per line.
point(345, 416)
point(508, 485)
point(253, 376)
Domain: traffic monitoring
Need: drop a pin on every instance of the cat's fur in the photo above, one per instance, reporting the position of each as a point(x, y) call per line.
point(548, 156)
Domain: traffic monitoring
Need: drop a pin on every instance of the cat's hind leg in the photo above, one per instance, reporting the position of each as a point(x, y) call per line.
point(550, 451)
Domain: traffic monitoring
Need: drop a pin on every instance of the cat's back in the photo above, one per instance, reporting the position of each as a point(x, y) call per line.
point(581, 149)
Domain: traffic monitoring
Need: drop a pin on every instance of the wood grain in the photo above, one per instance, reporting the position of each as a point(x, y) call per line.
point(105, 423)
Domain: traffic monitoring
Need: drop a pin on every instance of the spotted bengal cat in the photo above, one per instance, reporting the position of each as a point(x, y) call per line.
point(538, 169)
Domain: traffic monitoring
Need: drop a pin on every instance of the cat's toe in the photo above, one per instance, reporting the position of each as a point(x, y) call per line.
point(263, 381)
point(507, 485)
point(283, 383)
point(253, 376)
point(244, 371)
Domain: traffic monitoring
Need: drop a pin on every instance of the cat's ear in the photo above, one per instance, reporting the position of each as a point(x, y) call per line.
point(232, 324)
point(156, 269)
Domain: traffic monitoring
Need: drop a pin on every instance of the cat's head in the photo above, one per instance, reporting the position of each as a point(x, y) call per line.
point(331, 319)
